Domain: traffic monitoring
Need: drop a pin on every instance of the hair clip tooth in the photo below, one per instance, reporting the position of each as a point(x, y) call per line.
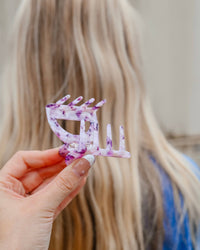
point(86, 104)
point(121, 139)
point(99, 104)
point(63, 100)
point(76, 101)
point(109, 137)
point(94, 132)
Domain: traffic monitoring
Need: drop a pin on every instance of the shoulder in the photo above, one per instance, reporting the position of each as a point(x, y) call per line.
point(177, 233)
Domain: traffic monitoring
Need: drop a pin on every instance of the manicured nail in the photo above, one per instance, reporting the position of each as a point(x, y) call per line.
point(90, 158)
point(82, 167)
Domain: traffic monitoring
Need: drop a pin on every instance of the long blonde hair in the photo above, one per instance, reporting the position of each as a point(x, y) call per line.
point(92, 48)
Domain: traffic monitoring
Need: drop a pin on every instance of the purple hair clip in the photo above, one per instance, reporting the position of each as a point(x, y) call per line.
point(75, 146)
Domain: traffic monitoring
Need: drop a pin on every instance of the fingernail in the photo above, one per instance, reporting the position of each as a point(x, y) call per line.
point(82, 167)
point(90, 158)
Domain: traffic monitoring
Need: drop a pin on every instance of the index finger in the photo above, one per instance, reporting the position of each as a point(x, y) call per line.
point(23, 161)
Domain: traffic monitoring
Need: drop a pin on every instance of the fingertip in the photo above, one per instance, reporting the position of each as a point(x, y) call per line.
point(90, 159)
point(54, 152)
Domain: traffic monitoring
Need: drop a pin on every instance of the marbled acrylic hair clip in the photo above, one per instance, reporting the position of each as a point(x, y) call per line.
point(75, 146)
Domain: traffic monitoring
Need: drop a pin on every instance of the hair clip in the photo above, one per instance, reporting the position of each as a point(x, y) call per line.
point(87, 142)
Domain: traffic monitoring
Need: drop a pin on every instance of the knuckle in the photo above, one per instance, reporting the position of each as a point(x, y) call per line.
point(65, 185)
point(19, 154)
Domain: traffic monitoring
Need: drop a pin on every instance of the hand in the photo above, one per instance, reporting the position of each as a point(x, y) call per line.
point(35, 186)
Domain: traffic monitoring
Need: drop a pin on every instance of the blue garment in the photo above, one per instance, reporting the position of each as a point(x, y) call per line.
point(176, 237)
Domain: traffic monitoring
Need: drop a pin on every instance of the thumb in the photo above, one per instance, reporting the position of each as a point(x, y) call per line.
point(65, 182)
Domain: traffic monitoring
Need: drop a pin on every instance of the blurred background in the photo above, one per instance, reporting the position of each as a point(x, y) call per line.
point(172, 63)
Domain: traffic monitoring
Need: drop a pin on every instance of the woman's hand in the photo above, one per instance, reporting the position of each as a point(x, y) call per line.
point(35, 186)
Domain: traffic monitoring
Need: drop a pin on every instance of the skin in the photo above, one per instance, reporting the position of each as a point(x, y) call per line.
point(35, 186)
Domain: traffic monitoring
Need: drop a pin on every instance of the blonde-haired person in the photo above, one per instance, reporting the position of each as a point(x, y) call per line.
point(89, 48)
